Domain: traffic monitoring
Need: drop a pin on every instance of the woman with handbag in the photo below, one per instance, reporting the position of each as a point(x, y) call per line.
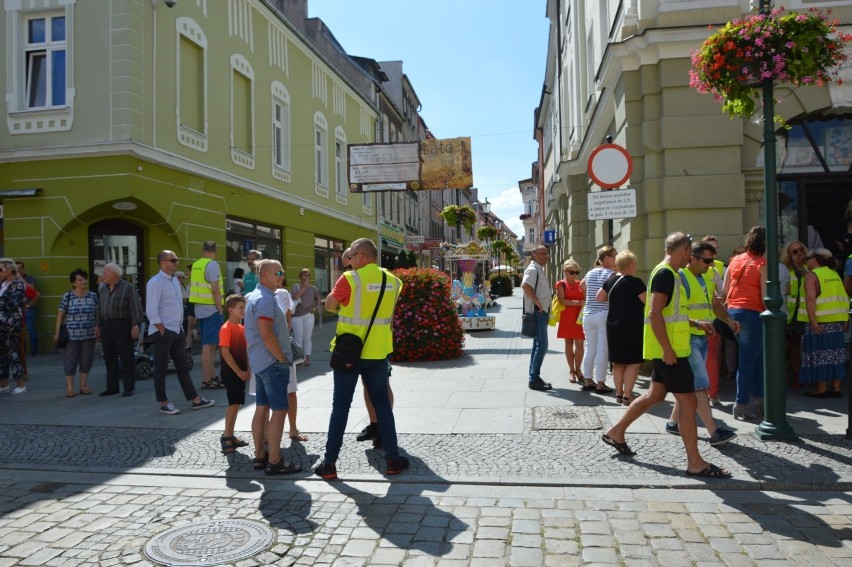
point(794, 259)
point(285, 303)
point(570, 294)
point(307, 298)
point(625, 294)
point(594, 322)
point(78, 312)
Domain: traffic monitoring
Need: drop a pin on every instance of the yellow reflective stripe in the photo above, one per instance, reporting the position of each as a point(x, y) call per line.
point(363, 322)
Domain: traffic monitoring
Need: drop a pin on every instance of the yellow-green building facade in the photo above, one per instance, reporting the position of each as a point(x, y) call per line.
point(133, 127)
point(621, 69)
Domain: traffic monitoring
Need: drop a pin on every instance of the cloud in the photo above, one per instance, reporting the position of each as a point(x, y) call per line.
point(508, 205)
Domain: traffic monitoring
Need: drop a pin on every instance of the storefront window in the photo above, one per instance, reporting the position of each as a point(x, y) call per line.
point(328, 263)
point(243, 236)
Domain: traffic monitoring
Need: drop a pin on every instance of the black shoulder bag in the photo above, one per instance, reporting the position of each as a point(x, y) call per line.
point(346, 355)
point(528, 325)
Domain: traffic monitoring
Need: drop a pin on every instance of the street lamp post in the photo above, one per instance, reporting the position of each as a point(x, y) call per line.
point(774, 424)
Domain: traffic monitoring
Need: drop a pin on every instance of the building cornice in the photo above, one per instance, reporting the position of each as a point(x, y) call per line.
point(153, 155)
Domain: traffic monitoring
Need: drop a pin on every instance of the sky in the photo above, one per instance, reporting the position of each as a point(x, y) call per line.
point(477, 67)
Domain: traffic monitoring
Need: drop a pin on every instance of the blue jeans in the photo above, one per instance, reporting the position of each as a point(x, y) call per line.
point(375, 375)
point(698, 361)
point(750, 369)
point(31, 330)
point(539, 346)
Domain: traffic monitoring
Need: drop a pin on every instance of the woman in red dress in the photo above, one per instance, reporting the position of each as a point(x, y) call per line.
point(571, 295)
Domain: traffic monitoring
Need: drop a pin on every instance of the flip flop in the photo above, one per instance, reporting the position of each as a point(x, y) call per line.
point(712, 471)
point(70, 394)
point(85, 391)
point(297, 436)
point(622, 448)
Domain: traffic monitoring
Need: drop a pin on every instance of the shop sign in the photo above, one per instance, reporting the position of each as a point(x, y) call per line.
point(393, 234)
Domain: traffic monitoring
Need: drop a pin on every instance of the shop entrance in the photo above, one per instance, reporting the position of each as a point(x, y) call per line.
point(117, 242)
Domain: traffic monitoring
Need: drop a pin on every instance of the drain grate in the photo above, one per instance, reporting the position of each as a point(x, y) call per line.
point(209, 543)
point(562, 417)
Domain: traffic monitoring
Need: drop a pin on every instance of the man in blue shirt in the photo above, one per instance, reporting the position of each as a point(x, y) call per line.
point(165, 316)
point(269, 352)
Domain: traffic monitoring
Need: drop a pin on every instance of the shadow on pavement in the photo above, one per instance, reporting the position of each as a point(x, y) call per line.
point(405, 517)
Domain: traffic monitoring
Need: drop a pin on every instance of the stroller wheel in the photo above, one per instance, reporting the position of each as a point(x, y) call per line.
point(144, 369)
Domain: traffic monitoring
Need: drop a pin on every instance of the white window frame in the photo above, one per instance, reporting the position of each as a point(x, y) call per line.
point(281, 149)
point(189, 29)
point(366, 203)
point(320, 154)
point(241, 65)
point(341, 183)
point(20, 118)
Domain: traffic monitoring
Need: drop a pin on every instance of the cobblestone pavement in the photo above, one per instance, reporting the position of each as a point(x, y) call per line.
point(524, 479)
point(96, 520)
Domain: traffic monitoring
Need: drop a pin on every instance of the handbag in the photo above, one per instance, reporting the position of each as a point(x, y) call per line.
point(346, 355)
point(556, 309)
point(528, 326)
point(298, 351)
point(62, 340)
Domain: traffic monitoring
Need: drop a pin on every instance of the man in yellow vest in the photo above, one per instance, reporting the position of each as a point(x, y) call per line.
point(666, 344)
point(205, 292)
point(354, 298)
point(699, 282)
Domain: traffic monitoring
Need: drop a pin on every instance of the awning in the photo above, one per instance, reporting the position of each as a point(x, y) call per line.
point(387, 246)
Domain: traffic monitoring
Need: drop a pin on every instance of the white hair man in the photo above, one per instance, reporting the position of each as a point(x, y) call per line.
point(121, 315)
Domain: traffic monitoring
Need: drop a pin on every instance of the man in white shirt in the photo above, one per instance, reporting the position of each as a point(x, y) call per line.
point(537, 300)
point(165, 316)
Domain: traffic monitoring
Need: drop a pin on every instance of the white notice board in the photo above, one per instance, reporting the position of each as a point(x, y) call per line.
point(620, 204)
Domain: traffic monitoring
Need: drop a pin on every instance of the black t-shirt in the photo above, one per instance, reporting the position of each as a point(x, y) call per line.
point(664, 282)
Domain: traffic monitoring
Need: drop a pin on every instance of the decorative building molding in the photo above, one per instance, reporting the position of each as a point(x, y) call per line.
point(240, 21)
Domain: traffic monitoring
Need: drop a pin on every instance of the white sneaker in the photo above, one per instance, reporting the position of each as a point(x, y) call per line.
point(5, 390)
point(19, 390)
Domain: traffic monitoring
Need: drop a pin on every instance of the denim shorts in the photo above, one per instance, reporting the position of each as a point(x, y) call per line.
point(271, 387)
point(698, 362)
point(210, 329)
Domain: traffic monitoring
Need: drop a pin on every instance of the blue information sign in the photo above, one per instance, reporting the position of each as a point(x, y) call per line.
point(549, 236)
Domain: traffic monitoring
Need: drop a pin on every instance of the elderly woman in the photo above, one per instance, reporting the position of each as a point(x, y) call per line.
point(570, 294)
point(625, 320)
point(12, 301)
point(744, 290)
point(827, 306)
point(793, 259)
point(307, 299)
point(78, 309)
point(594, 322)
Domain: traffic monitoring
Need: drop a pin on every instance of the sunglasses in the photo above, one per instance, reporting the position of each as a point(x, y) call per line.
point(707, 261)
point(172, 260)
point(573, 273)
point(355, 254)
point(797, 251)
point(279, 273)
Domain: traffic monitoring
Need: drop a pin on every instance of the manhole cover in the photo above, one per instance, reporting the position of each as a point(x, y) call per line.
point(570, 417)
point(209, 543)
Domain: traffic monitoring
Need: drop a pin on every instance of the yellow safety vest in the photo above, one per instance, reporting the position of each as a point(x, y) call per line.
point(698, 300)
point(832, 303)
point(675, 317)
point(797, 287)
point(200, 290)
point(365, 285)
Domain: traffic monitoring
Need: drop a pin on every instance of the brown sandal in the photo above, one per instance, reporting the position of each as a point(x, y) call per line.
point(573, 378)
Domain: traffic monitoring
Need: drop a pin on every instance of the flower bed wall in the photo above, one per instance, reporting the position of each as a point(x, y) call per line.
point(426, 324)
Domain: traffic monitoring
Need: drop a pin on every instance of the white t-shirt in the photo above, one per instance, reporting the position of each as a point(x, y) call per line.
point(532, 275)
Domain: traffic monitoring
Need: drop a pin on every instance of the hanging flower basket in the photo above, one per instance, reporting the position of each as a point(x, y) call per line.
point(464, 215)
point(486, 233)
point(802, 49)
